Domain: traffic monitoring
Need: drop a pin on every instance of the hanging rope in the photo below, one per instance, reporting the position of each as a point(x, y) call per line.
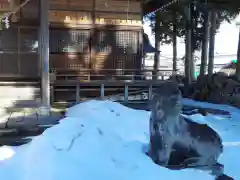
point(163, 7)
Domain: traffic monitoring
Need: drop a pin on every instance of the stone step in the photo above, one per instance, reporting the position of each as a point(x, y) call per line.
point(23, 96)
point(24, 120)
point(6, 91)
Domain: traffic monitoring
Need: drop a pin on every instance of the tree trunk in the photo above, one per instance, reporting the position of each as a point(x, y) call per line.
point(205, 44)
point(174, 44)
point(192, 66)
point(192, 61)
point(188, 45)
point(157, 46)
point(238, 58)
point(212, 42)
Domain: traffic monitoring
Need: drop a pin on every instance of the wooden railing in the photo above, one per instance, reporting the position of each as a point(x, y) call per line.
point(109, 74)
point(128, 87)
point(72, 88)
point(104, 84)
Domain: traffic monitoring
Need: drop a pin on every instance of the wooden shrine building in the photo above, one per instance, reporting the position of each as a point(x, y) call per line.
point(91, 38)
point(87, 34)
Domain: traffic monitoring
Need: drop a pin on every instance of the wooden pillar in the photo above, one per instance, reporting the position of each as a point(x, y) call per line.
point(44, 53)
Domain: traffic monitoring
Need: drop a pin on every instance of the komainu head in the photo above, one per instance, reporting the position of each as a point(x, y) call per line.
point(166, 100)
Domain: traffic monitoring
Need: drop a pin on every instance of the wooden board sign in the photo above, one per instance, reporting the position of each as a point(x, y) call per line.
point(122, 19)
point(80, 17)
point(69, 17)
point(118, 22)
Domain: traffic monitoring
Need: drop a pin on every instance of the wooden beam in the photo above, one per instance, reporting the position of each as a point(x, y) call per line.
point(44, 52)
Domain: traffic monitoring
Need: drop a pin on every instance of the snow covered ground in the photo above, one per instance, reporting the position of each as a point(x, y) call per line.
point(103, 140)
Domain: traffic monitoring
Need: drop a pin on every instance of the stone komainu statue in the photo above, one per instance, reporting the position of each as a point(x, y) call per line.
point(178, 142)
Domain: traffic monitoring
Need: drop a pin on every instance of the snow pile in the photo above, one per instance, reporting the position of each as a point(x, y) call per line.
point(97, 140)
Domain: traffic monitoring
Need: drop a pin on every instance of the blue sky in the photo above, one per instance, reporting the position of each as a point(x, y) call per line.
point(226, 40)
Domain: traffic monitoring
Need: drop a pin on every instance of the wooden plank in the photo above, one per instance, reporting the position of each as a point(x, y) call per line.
point(71, 4)
point(83, 5)
point(114, 5)
point(102, 5)
point(59, 4)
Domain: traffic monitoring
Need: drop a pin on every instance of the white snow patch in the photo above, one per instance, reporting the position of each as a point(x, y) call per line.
point(6, 152)
point(105, 140)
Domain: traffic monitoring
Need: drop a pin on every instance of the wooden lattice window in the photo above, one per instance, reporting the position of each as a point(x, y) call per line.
point(8, 64)
point(64, 40)
point(102, 42)
point(127, 42)
point(121, 42)
point(28, 40)
point(9, 39)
